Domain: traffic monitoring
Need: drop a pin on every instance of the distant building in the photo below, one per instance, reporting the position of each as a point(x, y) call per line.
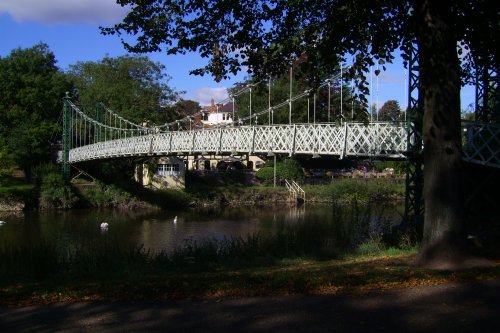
point(169, 172)
point(217, 114)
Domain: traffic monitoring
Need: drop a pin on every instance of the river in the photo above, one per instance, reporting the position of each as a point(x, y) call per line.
point(157, 231)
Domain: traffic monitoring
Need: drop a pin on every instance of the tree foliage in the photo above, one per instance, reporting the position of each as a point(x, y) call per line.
point(390, 111)
point(32, 87)
point(6, 161)
point(269, 34)
point(132, 86)
point(266, 36)
point(289, 168)
point(319, 105)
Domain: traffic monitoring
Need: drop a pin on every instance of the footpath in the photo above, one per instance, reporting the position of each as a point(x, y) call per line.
point(452, 307)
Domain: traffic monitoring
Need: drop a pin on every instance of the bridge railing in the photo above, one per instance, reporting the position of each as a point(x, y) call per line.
point(481, 143)
point(348, 139)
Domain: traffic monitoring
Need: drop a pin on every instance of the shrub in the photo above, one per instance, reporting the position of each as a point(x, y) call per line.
point(102, 195)
point(266, 175)
point(290, 168)
point(55, 192)
point(355, 190)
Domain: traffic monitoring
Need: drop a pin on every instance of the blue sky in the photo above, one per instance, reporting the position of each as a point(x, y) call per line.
point(70, 28)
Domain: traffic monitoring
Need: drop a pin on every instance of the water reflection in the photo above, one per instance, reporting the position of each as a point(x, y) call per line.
point(157, 231)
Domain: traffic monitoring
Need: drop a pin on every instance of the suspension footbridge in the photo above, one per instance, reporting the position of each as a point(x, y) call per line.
point(105, 135)
point(89, 139)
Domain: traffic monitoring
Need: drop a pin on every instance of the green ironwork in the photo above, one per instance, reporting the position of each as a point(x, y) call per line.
point(66, 140)
point(414, 202)
point(487, 94)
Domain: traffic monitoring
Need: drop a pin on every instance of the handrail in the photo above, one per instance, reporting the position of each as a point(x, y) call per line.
point(296, 192)
point(300, 192)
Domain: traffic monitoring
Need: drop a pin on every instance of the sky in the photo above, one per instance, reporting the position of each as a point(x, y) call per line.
point(71, 29)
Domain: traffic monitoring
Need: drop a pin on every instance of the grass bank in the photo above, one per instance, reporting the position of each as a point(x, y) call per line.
point(349, 276)
point(364, 190)
point(297, 258)
point(208, 192)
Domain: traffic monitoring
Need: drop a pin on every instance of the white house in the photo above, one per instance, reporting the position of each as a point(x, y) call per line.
point(217, 114)
point(167, 172)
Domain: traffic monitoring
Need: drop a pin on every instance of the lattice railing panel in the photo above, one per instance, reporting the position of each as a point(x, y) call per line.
point(278, 139)
point(182, 141)
point(305, 139)
point(237, 139)
point(481, 144)
point(207, 140)
point(331, 139)
point(360, 140)
point(161, 143)
point(389, 139)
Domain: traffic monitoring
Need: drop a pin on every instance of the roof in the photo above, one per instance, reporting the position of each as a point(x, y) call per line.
point(212, 108)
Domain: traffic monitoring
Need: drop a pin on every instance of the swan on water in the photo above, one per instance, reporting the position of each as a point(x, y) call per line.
point(2, 222)
point(175, 219)
point(104, 225)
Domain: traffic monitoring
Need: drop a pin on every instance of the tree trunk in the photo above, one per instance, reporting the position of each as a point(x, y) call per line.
point(443, 245)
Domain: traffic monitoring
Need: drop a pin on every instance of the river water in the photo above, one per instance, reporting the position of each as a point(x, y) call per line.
point(156, 230)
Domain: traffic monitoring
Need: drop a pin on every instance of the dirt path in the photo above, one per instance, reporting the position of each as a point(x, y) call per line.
point(443, 308)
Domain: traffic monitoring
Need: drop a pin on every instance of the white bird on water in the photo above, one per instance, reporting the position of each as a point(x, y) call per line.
point(2, 222)
point(104, 225)
point(175, 219)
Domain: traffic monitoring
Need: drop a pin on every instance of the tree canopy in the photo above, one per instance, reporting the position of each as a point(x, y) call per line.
point(132, 86)
point(390, 111)
point(32, 88)
point(268, 35)
point(452, 38)
point(320, 105)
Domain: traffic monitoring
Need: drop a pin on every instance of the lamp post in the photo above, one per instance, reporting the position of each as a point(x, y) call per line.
point(269, 154)
point(274, 171)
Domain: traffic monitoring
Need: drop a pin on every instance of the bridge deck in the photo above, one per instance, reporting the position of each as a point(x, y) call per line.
point(481, 142)
point(349, 139)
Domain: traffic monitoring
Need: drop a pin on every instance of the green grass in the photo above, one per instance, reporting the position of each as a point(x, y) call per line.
point(348, 276)
point(13, 185)
point(348, 190)
point(16, 188)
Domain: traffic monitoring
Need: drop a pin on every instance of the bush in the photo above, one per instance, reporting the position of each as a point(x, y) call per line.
point(290, 168)
point(6, 163)
point(398, 166)
point(266, 175)
point(355, 190)
point(55, 192)
point(102, 195)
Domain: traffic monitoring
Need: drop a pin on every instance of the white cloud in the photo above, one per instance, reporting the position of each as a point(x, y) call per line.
point(385, 78)
point(64, 11)
point(205, 94)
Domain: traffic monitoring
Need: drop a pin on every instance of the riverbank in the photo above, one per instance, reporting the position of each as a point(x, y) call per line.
point(350, 276)
point(58, 195)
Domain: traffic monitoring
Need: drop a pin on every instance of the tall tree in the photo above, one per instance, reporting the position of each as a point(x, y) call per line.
point(32, 87)
point(267, 35)
point(132, 86)
point(390, 111)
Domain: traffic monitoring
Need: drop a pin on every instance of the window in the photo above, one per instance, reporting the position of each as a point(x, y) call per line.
point(168, 170)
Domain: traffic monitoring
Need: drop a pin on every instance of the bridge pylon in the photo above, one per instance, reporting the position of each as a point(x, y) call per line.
point(414, 201)
point(66, 137)
point(487, 108)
